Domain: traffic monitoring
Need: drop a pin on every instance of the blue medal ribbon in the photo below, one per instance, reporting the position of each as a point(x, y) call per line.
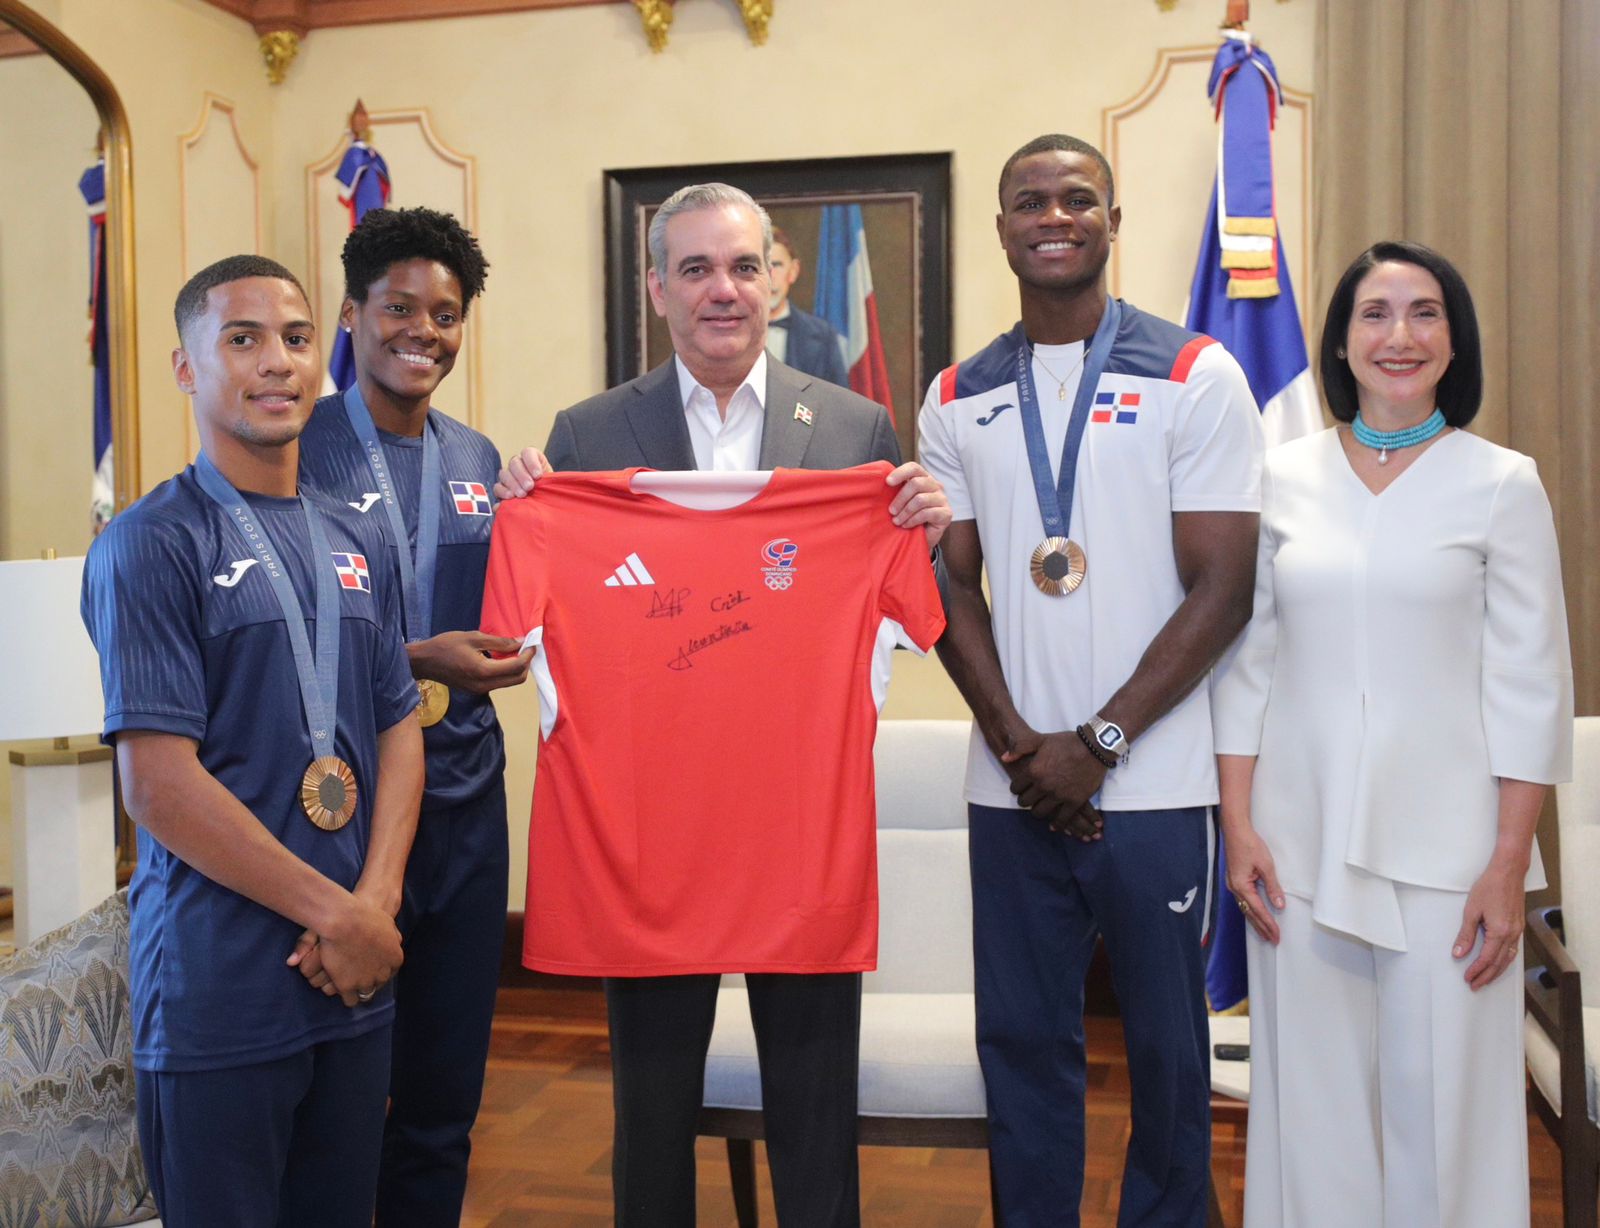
point(319, 673)
point(1055, 497)
point(416, 573)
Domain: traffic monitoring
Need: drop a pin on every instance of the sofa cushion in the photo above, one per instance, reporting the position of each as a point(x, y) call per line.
point(919, 1056)
point(925, 914)
point(1544, 1062)
point(71, 1152)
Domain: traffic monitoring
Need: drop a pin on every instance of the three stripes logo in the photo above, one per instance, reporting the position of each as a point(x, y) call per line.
point(631, 574)
point(1115, 407)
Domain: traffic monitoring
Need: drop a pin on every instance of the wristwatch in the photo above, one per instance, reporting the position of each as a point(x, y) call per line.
point(1109, 737)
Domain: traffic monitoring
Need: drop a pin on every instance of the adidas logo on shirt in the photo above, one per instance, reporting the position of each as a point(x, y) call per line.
point(632, 573)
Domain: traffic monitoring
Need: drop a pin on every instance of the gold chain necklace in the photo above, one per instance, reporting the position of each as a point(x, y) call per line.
point(1061, 380)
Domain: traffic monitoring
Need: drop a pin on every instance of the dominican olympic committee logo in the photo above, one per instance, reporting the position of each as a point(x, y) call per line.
point(779, 555)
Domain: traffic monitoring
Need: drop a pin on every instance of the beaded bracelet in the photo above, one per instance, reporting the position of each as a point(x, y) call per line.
point(1105, 757)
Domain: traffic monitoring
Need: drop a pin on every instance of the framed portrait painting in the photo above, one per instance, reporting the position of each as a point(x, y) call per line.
point(861, 265)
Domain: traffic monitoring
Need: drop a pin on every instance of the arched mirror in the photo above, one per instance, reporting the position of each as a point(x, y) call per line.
point(66, 292)
point(68, 388)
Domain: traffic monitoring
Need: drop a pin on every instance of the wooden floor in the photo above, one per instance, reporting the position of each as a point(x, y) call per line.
point(541, 1152)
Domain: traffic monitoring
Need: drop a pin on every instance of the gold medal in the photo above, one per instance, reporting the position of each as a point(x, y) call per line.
point(328, 792)
point(1058, 566)
point(435, 701)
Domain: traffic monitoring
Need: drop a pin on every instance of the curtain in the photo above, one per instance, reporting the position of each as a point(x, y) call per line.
point(1474, 126)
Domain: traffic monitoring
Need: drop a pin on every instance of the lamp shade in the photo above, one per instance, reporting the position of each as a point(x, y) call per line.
point(49, 673)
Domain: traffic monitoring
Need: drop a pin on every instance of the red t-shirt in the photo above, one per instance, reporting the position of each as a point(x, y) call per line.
point(704, 793)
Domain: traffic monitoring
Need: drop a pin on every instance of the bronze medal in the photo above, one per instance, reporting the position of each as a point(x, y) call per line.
point(435, 701)
point(328, 792)
point(1058, 566)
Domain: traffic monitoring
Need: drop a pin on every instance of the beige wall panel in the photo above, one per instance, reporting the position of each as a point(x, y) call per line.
point(423, 170)
point(221, 191)
point(1162, 146)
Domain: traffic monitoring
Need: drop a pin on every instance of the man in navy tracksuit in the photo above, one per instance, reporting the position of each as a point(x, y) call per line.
point(257, 693)
point(410, 277)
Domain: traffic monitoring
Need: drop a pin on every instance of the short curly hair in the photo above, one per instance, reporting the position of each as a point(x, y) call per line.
point(387, 237)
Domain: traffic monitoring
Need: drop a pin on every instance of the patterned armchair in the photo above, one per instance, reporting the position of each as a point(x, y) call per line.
point(69, 1151)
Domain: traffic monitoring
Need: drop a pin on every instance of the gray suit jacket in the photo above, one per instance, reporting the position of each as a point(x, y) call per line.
point(642, 423)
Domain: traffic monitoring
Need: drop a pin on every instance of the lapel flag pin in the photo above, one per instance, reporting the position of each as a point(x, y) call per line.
point(802, 414)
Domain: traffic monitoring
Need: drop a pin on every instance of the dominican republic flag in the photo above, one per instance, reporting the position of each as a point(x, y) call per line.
point(1241, 293)
point(365, 176)
point(352, 569)
point(471, 499)
point(1242, 297)
point(846, 300)
point(102, 498)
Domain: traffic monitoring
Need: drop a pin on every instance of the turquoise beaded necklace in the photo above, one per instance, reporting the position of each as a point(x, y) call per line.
point(1384, 441)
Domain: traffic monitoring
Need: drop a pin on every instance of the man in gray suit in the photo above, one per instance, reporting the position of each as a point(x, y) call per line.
point(721, 402)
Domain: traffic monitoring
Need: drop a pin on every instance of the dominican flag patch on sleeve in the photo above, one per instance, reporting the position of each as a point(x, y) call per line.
point(352, 569)
point(471, 499)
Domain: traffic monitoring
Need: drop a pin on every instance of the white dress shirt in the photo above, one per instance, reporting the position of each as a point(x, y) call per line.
point(725, 442)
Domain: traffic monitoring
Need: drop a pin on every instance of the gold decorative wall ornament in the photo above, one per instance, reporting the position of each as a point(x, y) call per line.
point(278, 49)
point(656, 18)
point(757, 13)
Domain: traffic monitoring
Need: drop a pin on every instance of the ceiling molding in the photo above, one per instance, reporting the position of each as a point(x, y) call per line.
point(281, 24)
point(302, 16)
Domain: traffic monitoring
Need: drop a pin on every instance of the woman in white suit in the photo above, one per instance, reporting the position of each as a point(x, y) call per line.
point(1386, 728)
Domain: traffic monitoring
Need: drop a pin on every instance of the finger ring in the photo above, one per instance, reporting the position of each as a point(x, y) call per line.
point(1244, 905)
point(365, 995)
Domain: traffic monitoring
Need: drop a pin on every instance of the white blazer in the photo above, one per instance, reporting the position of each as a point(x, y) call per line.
point(1406, 650)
